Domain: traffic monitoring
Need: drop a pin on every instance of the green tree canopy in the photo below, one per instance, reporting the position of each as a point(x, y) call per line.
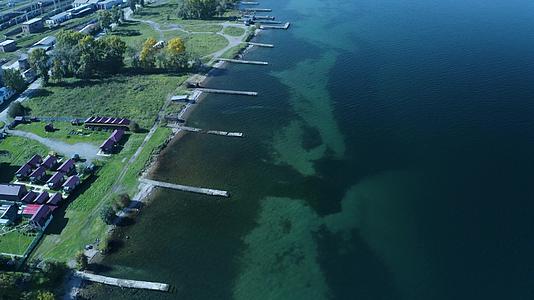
point(39, 61)
point(13, 80)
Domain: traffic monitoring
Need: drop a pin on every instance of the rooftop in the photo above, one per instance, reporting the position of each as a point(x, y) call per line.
point(6, 42)
point(32, 21)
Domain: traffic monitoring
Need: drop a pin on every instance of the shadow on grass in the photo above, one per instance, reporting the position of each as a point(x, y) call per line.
point(59, 221)
point(7, 171)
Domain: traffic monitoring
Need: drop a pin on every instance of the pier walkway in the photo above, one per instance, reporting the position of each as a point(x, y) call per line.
point(261, 45)
point(124, 283)
point(247, 62)
point(185, 188)
point(199, 130)
point(228, 92)
point(285, 26)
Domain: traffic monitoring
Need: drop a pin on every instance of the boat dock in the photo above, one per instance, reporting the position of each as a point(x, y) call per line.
point(185, 188)
point(264, 17)
point(124, 283)
point(285, 26)
point(246, 62)
point(261, 45)
point(199, 130)
point(249, 3)
point(257, 9)
point(228, 92)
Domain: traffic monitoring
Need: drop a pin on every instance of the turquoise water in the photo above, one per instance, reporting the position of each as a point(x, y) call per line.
point(388, 156)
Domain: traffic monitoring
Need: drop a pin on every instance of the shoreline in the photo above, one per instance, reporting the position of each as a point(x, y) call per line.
point(145, 191)
point(142, 197)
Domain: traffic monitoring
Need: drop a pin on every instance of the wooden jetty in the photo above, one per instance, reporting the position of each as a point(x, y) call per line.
point(285, 26)
point(185, 188)
point(246, 62)
point(228, 92)
point(261, 45)
point(124, 283)
point(199, 130)
point(264, 17)
point(257, 9)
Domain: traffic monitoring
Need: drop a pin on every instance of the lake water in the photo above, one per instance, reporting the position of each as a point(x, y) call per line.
point(389, 155)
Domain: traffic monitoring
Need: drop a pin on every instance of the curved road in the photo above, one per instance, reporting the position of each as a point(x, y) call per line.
point(85, 150)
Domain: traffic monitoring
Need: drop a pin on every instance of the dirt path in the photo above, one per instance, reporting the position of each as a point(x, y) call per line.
point(85, 150)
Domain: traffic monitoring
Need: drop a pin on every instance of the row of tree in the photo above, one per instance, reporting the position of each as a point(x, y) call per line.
point(203, 9)
point(171, 57)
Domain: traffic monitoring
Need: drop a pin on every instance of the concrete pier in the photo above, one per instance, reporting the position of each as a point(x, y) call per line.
point(124, 283)
point(261, 45)
point(198, 130)
point(185, 188)
point(257, 9)
point(285, 26)
point(227, 92)
point(246, 62)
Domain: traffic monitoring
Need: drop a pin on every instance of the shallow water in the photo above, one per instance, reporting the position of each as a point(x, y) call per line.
point(388, 156)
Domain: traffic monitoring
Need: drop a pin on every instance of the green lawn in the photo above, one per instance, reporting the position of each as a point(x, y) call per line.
point(66, 132)
point(203, 27)
point(14, 152)
point(205, 43)
point(134, 34)
point(234, 31)
point(232, 52)
point(84, 224)
point(138, 97)
point(15, 242)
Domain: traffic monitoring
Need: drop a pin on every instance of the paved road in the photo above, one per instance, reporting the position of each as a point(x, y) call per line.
point(32, 88)
point(85, 150)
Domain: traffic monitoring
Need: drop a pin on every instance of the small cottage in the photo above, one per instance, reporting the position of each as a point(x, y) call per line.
point(49, 162)
point(12, 192)
point(35, 161)
point(29, 197)
point(71, 184)
point(23, 172)
point(37, 175)
point(41, 198)
point(56, 180)
point(68, 167)
point(41, 218)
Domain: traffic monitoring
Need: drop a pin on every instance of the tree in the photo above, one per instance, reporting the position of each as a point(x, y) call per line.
point(131, 4)
point(105, 18)
point(81, 260)
point(39, 61)
point(176, 57)
point(134, 127)
point(175, 46)
point(198, 9)
point(107, 213)
point(13, 80)
point(148, 52)
point(45, 295)
point(117, 15)
point(111, 54)
point(16, 109)
point(122, 201)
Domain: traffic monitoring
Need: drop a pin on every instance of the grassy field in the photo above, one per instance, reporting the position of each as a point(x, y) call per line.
point(203, 44)
point(134, 34)
point(64, 132)
point(203, 27)
point(15, 242)
point(234, 31)
point(81, 223)
point(138, 97)
point(14, 152)
point(232, 52)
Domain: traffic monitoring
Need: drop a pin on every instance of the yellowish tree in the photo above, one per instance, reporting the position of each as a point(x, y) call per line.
point(147, 55)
